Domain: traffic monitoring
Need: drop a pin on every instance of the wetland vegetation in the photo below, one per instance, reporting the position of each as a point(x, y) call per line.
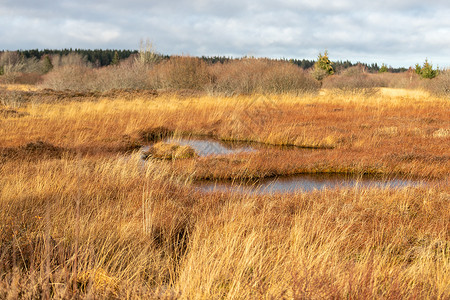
point(83, 216)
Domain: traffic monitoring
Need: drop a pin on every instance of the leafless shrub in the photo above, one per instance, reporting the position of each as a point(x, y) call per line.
point(439, 86)
point(250, 75)
point(128, 75)
point(404, 80)
point(70, 77)
point(181, 72)
point(354, 78)
point(283, 77)
point(237, 77)
point(15, 68)
point(28, 78)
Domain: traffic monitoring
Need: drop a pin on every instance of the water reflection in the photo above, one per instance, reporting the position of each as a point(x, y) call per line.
point(305, 183)
point(205, 147)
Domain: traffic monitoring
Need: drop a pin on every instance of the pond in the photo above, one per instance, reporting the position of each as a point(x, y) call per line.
point(205, 147)
point(287, 184)
point(305, 183)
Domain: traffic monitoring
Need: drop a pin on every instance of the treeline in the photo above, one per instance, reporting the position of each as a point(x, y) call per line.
point(145, 69)
point(102, 58)
point(97, 57)
point(306, 64)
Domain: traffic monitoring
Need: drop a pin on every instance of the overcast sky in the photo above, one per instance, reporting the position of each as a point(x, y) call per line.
point(394, 32)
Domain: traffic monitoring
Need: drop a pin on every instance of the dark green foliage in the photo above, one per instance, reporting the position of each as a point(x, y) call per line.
point(323, 67)
point(418, 69)
point(115, 60)
point(47, 65)
point(98, 57)
point(383, 69)
point(304, 63)
point(426, 71)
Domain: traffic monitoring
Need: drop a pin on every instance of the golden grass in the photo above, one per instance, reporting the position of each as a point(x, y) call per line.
point(390, 134)
point(84, 219)
point(357, 242)
point(405, 93)
point(163, 150)
point(19, 87)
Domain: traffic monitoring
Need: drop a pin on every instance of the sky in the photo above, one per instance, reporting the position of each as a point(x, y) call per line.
point(399, 33)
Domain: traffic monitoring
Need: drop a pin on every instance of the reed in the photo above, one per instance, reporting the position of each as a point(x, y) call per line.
point(146, 232)
point(83, 216)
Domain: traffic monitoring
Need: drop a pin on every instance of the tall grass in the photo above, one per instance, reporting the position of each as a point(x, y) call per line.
point(82, 217)
point(385, 132)
point(142, 232)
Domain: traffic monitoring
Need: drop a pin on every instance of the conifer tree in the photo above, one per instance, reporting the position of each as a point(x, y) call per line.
point(115, 60)
point(47, 65)
point(383, 69)
point(426, 71)
point(323, 67)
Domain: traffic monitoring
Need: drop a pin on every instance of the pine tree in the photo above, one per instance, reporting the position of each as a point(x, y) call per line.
point(47, 65)
point(115, 60)
point(426, 71)
point(383, 69)
point(323, 67)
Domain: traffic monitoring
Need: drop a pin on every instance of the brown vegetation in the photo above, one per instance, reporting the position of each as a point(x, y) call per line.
point(169, 151)
point(107, 228)
point(82, 216)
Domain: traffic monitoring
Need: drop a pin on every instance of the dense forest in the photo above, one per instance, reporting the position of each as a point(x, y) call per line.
point(101, 58)
point(97, 57)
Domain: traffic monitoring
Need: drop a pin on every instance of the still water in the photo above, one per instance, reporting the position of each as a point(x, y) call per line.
point(305, 183)
point(205, 147)
point(288, 184)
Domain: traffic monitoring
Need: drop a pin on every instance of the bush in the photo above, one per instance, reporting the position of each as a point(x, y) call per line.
point(71, 77)
point(439, 86)
point(354, 78)
point(129, 74)
point(251, 75)
point(237, 77)
point(181, 72)
point(283, 77)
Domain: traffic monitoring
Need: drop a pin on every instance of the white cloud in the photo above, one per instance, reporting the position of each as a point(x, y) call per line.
point(399, 33)
point(90, 32)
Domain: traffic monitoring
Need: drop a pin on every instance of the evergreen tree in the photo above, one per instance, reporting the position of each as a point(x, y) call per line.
point(426, 71)
point(47, 65)
point(115, 60)
point(383, 69)
point(323, 67)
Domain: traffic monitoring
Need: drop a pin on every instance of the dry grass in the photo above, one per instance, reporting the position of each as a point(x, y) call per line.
point(80, 218)
point(162, 150)
point(143, 233)
point(391, 131)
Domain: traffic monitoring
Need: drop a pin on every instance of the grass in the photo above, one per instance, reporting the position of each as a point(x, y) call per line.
point(384, 132)
point(83, 217)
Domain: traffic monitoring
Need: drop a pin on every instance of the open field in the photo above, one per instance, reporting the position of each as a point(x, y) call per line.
point(82, 215)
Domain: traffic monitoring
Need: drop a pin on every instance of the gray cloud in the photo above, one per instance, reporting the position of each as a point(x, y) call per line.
point(399, 33)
